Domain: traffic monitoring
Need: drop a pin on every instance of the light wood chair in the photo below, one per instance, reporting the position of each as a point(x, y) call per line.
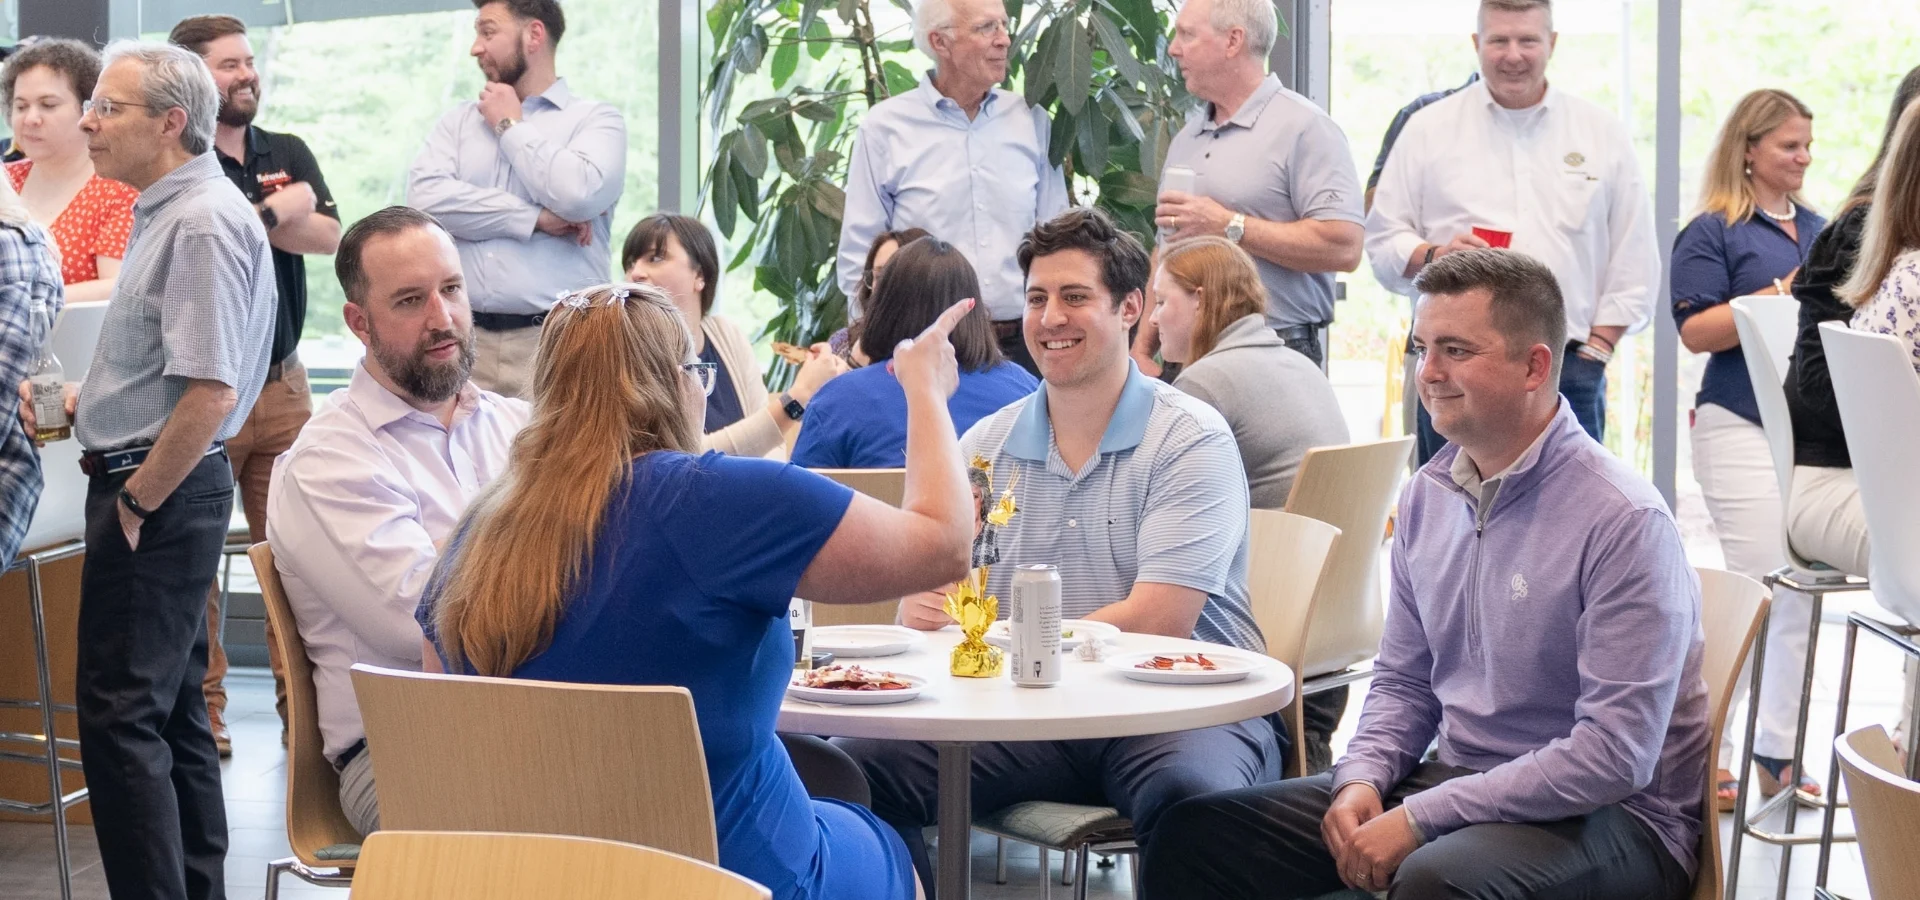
point(1353, 488)
point(466, 753)
point(1886, 811)
point(325, 845)
point(888, 486)
point(1732, 610)
point(1288, 556)
point(435, 865)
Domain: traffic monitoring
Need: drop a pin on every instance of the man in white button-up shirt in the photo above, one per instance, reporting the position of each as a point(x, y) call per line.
point(1523, 163)
point(362, 503)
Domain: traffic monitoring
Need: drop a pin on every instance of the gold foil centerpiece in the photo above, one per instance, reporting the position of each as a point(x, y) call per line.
point(970, 604)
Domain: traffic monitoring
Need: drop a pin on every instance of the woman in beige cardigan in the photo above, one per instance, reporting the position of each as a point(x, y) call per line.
point(677, 253)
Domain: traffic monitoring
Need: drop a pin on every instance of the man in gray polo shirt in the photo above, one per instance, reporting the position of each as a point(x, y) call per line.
point(182, 355)
point(1135, 490)
point(1271, 171)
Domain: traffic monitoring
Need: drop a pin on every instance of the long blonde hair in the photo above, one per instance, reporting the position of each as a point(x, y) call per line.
point(607, 388)
point(1726, 188)
point(1224, 278)
point(1893, 221)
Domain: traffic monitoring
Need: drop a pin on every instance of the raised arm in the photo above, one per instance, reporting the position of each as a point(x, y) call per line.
point(578, 177)
point(469, 212)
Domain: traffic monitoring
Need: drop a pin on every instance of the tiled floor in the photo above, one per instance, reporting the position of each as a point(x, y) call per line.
point(255, 789)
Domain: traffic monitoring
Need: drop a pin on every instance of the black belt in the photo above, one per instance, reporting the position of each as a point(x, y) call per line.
point(346, 756)
point(506, 321)
point(275, 371)
point(115, 461)
point(1006, 329)
point(1299, 333)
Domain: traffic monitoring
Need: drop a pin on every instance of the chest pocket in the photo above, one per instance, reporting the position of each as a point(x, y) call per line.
point(1578, 196)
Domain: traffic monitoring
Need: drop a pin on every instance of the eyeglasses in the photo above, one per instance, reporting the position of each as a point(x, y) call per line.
point(107, 107)
point(708, 374)
point(994, 28)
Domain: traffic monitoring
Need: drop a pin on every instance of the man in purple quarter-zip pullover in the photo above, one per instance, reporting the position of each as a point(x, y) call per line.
point(1545, 626)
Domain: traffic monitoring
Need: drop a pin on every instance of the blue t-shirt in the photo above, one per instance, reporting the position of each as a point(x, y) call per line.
point(859, 420)
point(1714, 262)
point(723, 405)
point(689, 586)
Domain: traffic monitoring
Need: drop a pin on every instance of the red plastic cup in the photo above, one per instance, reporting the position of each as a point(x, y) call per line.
point(1500, 239)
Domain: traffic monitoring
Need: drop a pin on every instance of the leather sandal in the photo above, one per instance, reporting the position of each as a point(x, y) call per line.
point(1726, 790)
point(1774, 775)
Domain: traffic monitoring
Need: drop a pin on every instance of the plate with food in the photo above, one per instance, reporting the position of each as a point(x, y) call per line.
point(866, 641)
point(1176, 667)
point(1073, 633)
point(854, 685)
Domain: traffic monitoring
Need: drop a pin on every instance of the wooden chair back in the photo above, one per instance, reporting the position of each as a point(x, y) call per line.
point(1886, 811)
point(434, 865)
point(467, 753)
point(1288, 559)
point(888, 486)
point(1353, 488)
point(314, 819)
point(1732, 608)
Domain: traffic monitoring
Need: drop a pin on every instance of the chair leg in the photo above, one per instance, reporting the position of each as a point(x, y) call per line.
point(1080, 889)
point(999, 860)
point(1133, 863)
point(1046, 877)
point(1066, 865)
point(274, 869)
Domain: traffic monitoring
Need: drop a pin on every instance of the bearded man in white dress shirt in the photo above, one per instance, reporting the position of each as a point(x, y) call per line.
point(362, 503)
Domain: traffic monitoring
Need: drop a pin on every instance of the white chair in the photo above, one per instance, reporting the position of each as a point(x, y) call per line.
point(1767, 325)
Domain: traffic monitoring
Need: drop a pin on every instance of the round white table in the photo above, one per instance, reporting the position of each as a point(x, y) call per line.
point(1091, 701)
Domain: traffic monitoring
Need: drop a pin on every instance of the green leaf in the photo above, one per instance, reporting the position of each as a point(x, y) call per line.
point(1145, 21)
point(751, 150)
point(830, 200)
point(1127, 189)
point(786, 59)
point(1040, 68)
point(900, 79)
point(1119, 52)
point(809, 15)
point(746, 189)
point(1060, 139)
point(751, 50)
point(845, 10)
point(1123, 115)
point(1093, 134)
point(819, 37)
point(764, 112)
point(1074, 70)
point(724, 201)
point(815, 110)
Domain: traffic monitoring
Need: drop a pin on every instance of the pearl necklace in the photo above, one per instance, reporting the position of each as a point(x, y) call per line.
point(1791, 213)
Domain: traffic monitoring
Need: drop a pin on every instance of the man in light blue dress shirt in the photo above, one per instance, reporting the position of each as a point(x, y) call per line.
point(959, 157)
point(525, 179)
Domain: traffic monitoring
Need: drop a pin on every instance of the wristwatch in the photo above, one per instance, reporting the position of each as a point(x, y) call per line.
point(792, 407)
point(505, 124)
point(269, 218)
point(1237, 227)
point(133, 506)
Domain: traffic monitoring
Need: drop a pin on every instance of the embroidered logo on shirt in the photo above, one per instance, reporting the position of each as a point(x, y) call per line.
point(1576, 159)
point(1519, 584)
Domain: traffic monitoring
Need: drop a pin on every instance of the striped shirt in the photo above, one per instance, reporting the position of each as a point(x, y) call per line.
point(195, 300)
point(1164, 501)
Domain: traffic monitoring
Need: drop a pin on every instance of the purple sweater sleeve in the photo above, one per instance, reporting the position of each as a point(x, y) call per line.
point(1641, 614)
point(1402, 714)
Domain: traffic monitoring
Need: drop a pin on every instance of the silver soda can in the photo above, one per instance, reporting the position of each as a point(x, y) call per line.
point(1035, 626)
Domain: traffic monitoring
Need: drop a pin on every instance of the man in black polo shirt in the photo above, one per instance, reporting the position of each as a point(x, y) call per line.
point(278, 174)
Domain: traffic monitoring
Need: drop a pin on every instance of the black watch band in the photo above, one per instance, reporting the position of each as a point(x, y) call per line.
point(792, 407)
point(269, 218)
point(133, 506)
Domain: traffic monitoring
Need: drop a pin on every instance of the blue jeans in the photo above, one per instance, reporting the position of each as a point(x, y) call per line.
point(1582, 381)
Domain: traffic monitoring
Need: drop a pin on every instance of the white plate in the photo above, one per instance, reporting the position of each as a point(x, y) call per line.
point(1230, 666)
point(861, 698)
point(1000, 634)
point(865, 641)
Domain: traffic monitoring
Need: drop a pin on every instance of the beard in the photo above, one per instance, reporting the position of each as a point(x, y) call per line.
point(240, 115)
point(513, 68)
point(421, 378)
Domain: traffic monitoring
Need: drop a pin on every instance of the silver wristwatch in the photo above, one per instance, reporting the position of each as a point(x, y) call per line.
point(504, 124)
point(1237, 227)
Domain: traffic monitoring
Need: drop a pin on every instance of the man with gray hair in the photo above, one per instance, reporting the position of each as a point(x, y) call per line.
point(1261, 166)
point(182, 355)
point(959, 157)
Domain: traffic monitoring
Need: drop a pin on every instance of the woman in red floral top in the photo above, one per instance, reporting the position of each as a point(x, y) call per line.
point(90, 217)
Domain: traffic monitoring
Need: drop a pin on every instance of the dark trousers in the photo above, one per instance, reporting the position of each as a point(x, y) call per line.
point(1142, 776)
point(1582, 381)
point(1013, 344)
point(1265, 842)
point(148, 755)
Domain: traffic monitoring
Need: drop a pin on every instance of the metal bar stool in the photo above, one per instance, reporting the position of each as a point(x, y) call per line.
point(1902, 639)
point(47, 742)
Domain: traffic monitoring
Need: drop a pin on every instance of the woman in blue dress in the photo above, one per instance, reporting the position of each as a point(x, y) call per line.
point(609, 553)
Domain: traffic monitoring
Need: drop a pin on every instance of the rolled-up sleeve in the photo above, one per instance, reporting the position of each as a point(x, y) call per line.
point(1394, 226)
point(1700, 278)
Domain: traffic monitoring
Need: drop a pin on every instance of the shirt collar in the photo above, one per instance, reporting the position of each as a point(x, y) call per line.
point(1032, 435)
point(940, 101)
point(1249, 112)
point(1467, 475)
point(557, 94)
point(382, 407)
point(1485, 96)
point(204, 167)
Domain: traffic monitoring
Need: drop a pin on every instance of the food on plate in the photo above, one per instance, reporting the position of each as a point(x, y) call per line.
point(1186, 662)
point(1066, 634)
point(790, 353)
point(851, 678)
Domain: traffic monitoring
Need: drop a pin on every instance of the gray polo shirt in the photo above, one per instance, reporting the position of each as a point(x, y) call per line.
point(1164, 501)
point(195, 300)
point(1280, 159)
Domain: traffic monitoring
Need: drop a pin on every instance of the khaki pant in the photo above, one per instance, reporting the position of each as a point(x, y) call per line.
point(282, 410)
point(503, 360)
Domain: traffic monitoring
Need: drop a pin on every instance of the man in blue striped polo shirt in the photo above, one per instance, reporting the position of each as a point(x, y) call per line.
point(1135, 490)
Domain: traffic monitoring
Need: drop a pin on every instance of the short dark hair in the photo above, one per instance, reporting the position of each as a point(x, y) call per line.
point(353, 244)
point(650, 234)
point(1525, 301)
point(77, 61)
point(1124, 265)
point(923, 279)
point(546, 12)
point(196, 32)
point(902, 237)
